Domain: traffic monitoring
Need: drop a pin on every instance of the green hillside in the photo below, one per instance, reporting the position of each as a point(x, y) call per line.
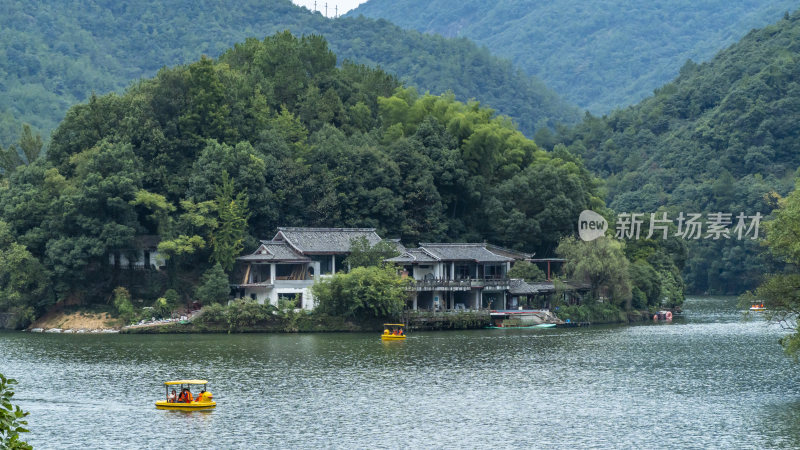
point(214, 155)
point(55, 54)
point(720, 138)
point(598, 54)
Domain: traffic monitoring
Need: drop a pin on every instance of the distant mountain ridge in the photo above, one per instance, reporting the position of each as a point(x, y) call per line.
point(54, 54)
point(599, 54)
point(724, 136)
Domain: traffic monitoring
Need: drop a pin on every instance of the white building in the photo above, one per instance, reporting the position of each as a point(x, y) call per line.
point(288, 265)
point(143, 255)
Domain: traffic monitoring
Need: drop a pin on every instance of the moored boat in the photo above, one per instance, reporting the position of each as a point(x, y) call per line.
point(662, 315)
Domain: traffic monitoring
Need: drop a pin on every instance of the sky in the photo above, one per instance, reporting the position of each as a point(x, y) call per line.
point(343, 5)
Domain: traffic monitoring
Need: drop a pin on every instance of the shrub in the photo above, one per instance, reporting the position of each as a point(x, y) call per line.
point(123, 305)
point(214, 313)
point(364, 293)
point(214, 287)
point(245, 312)
point(11, 417)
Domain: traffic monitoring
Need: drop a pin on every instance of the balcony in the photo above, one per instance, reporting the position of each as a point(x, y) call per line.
point(441, 284)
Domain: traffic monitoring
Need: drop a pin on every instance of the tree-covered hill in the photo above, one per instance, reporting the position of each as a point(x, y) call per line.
point(596, 54)
point(212, 156)
point(719, 138)
point(54, 54)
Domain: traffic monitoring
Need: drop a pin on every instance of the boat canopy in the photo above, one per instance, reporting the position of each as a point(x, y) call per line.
point(169, 383)
point(394, 325)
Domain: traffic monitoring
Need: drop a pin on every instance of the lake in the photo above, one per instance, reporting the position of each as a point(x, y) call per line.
point(709, 379)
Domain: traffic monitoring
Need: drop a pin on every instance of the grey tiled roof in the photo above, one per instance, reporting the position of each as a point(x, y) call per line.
point(274, 252)
point(412, 255)
point(324, 240)
point(511, 253)
point(520, 287)
point(462, 252)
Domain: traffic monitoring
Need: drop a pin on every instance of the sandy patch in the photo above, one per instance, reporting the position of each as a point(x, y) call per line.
point(75, 321)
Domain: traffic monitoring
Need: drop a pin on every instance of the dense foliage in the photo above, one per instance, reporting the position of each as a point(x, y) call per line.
point(211, 156)
point(12, 418)
point(780, 292)
point(55, 54)
point(363, 293)
point(599, 54)
point(601, 264)
point(528, 271)
point(364, 255)
point(720, 138)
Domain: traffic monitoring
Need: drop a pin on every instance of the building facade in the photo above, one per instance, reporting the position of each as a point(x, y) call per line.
point(458, 276)
point(286, 267)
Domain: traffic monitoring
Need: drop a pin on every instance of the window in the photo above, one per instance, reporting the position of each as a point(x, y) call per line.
point(462, 272)
point(285, 298)
point(494, 271)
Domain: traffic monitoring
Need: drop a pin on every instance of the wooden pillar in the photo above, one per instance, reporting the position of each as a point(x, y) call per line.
point(333, 264)
point(548, 270)
point(272, 273)
point(247, 275)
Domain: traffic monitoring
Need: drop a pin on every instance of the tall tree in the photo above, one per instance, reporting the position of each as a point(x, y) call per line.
point(602, 264)
point(780, 292)
point(232, 212)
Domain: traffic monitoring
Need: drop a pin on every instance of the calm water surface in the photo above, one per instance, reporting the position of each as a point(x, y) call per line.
point(708, 380)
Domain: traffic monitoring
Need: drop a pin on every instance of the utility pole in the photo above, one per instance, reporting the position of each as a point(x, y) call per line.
point(336, 11)
point(315, 5)
point(326, 9)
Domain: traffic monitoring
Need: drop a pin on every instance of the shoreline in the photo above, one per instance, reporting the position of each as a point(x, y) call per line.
point(309, 322)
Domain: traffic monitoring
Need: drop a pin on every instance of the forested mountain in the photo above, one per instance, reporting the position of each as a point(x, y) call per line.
point(214, 155)
point(722, 137)
point(596, 54)
point(54, 54)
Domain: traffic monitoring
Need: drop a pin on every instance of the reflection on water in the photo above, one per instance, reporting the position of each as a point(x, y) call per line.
point(709, 379)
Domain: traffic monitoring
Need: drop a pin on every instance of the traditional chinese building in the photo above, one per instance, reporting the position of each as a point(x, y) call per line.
point(458, 276)
point(288, 265)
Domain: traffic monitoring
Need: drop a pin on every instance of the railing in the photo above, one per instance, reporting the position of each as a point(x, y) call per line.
point(432, 284)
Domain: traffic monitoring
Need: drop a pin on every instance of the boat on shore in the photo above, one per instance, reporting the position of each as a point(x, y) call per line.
point(184, 401)
point(541, 325)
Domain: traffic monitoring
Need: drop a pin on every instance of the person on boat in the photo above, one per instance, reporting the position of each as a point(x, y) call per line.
point(400, 332)
point(200, 396)
point(173, 397)
point(186, 396)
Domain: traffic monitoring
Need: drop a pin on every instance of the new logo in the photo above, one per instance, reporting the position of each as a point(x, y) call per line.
point(591, 225)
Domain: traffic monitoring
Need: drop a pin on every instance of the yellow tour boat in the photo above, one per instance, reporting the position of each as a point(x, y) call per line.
point(758, 307)
point(181, 399)
point(393, 332)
